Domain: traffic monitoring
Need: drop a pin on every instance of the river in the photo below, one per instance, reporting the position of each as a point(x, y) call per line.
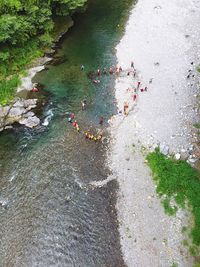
point(51, 215)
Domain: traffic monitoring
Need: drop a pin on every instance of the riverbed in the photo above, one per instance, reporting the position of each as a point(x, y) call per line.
point(162, 38)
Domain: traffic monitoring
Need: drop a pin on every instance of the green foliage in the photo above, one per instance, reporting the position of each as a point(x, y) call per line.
point(26, 27)
point(168, 208)
point(177, 181)
point(197, 125)
point(7, 88)
point(21, 20)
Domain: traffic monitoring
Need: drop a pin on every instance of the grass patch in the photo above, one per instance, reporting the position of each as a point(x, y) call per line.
point(177, 181)
point(197, 125)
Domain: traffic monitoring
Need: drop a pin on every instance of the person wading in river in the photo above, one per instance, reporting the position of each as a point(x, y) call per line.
point(101, 120)
point(83, 104)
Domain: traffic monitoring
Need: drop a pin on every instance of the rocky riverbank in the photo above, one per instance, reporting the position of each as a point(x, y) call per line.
point(19, 112)
point(20, 109)
point(162, 38)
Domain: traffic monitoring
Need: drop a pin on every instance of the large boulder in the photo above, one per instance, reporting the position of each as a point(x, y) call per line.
point(30, 102)
point(16, 111)
point(19, 112)
point(19, 103)
point(28, 114)
point(30, 121)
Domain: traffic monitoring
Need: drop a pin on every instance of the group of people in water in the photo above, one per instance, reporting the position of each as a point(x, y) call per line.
point(133, 95)
point(88, 135)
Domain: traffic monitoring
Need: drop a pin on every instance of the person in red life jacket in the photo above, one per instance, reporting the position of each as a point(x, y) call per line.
point(72, 115)
point(141, 90)
point(138, 84)
point(35, 89)
point(75, 124)
point(98, 72)
point(111, 70)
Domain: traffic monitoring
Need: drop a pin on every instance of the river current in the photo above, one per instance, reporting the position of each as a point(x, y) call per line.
point(51, 215)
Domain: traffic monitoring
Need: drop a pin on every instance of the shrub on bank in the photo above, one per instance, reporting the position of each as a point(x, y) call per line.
point(177, 181)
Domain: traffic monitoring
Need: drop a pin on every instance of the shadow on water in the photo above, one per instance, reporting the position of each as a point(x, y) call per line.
point(50, 215)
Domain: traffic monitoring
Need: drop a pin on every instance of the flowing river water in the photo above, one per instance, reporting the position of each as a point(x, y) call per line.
point(50, 214)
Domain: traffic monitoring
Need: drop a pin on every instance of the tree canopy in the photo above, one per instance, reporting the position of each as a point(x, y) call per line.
point(20, 20)
point(26, 27)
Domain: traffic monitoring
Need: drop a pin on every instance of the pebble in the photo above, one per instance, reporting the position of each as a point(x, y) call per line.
point(164, 149)
point(177, 156)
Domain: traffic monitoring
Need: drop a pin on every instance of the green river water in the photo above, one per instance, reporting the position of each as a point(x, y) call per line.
point(51, 215)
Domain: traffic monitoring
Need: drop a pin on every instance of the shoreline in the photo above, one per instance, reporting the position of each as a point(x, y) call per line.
point(39, 63)
point(162, 40)
point(19, 109)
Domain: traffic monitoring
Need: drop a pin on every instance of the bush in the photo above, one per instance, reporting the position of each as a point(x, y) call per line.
point(178, 181)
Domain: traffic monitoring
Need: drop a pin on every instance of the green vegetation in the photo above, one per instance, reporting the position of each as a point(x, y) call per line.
point(26, 28)
point(178, 183)
point(197, 125)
